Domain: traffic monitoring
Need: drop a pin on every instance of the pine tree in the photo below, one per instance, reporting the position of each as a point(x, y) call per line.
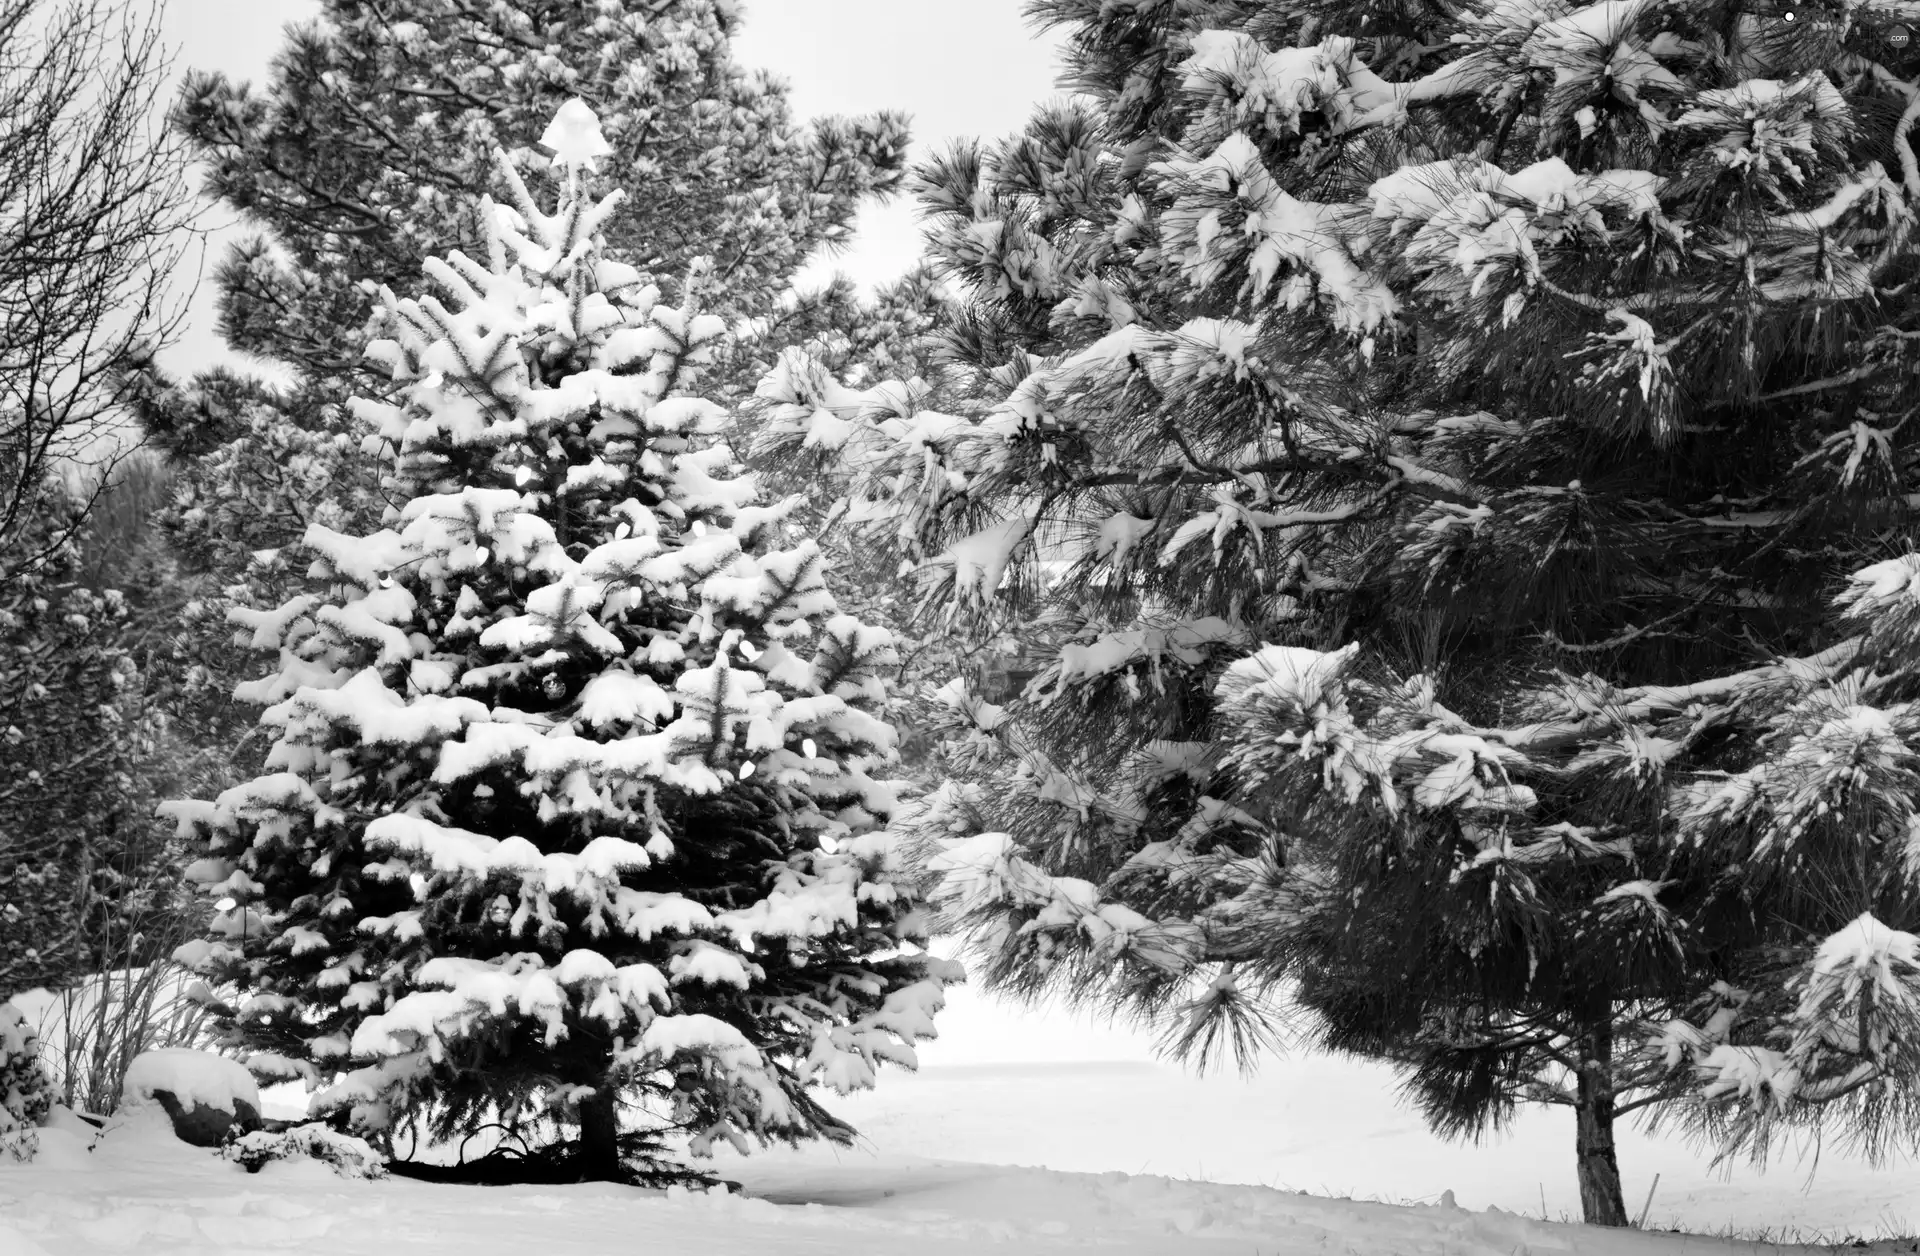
point(1426, 441)
point(573, 807)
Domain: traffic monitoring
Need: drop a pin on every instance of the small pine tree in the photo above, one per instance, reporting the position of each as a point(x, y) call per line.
point(572, 808)
point(26, 1095)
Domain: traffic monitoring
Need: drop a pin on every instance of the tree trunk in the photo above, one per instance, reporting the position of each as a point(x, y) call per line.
point(1601, 1199)
point(600, 1137)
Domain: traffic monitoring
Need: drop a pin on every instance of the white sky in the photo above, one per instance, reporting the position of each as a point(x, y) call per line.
point(968, 68)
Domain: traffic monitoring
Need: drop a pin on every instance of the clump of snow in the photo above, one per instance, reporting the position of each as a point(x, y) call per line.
point(1470, 215)
point(1768, 127)
point(1759, 1076)
point(1868, 949)
point(1289, 673)
point(1119, 534)
point(980, 561)
point(1280, 84)
point(1183, 644)
point(1861, 975)
point(1280, 230)
point(1882, 590)
point(1237, 77)
point(574, 136)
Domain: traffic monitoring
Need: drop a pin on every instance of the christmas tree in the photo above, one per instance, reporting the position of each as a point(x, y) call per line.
point(356, 161)
point(576, 808)
point(1428, 440)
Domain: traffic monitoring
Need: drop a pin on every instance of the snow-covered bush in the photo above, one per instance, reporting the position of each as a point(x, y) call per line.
point(577, 801)
point(348, 1156)
point(26, 1096)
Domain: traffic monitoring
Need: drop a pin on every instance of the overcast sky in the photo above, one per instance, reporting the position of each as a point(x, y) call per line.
point(969, 68)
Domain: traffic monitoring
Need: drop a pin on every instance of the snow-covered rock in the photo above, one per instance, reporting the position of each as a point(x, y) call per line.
point(205, 1095)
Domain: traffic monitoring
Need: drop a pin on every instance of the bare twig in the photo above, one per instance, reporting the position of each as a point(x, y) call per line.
point(1641, 1222)
point(93, 207)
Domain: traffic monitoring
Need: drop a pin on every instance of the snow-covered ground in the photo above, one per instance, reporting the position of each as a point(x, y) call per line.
point(1332, 1128)
point(1139, 1158)
point(142, 1192)
point(1005, 1085)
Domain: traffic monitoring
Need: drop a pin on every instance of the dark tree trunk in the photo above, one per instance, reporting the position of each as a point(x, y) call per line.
point(1601, 1200)
point(600, 1137)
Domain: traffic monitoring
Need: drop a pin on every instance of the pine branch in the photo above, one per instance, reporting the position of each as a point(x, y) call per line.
point(1858, 373)
point(59, 770)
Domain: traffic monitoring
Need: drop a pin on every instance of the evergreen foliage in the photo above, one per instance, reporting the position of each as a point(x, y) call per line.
point(573, 811)
point(1427, 442)
point(81, 754)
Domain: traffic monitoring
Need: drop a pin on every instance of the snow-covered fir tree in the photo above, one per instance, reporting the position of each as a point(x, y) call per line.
point(357, 159)
point(577, 804)
point(1428, 440)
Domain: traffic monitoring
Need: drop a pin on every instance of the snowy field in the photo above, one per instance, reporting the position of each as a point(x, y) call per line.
point(1128, 1157)
point(1005, 1086)
point(143, 1193)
